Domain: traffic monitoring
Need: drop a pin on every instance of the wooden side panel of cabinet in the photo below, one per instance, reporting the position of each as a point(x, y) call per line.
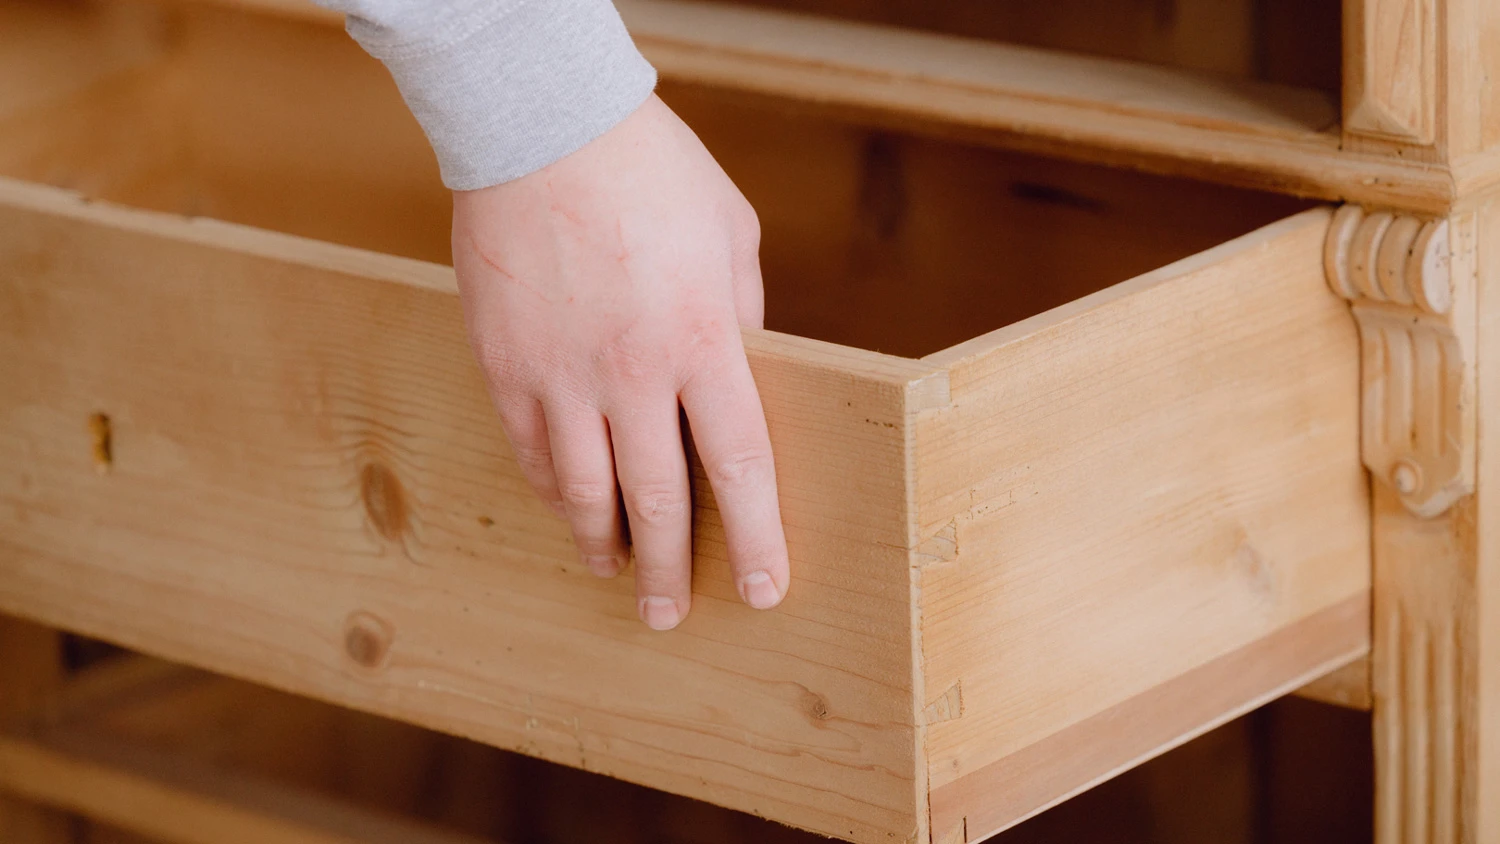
point(1390, 75)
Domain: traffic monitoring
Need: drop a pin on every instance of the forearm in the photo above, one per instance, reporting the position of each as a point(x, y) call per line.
point(504, 87)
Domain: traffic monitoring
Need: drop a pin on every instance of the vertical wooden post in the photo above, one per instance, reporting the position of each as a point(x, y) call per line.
point(1419, 84)
point(1426, 294)
point(1483, 768)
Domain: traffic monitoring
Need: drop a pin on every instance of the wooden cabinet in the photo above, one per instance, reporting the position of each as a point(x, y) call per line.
point(1069, 446)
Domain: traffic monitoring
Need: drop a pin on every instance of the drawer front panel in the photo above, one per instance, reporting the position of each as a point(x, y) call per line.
point(304, 485)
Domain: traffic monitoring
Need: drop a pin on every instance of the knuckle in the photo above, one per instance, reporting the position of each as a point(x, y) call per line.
point(532, 458)
point(597, 545)
point(747, 222)
point(503, 363)
point(741, 467)
point(586, 496)
point(628, 360)
point(657, 505)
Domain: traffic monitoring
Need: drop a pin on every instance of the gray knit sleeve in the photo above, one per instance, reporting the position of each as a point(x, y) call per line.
point(504, 87)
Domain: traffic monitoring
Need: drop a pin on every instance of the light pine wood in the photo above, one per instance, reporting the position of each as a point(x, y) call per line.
point(1202, 441)
point(1418, 145)
point(1435, 697)
point(1437, 701)
point(353, 575)
point(1412, 284)
point(1391, 72)
point(345, 497)
point(1166, 120)
point(1480, 774)
point(1424, 672)
point(1423, 293)
point(1348, 686)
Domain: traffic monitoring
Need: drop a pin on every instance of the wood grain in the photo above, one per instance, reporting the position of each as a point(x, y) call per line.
point(1391, 50)
point(251, 389)
point(1424, 670)
point(1482, 770)
point(992, 798)
point(1411, 282)
point(1139, 483)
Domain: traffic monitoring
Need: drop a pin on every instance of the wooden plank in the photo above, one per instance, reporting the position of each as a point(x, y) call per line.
point(1348, 686)
point(1161, 119)
point(257, 382)
point(177, 801)
point(1151, 495)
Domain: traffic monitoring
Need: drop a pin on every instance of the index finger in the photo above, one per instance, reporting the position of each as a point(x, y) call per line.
point(728, 426)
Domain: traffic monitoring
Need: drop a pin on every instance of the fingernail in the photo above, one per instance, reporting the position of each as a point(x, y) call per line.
point(759, 590)
point(603, 566)
point(660, 613)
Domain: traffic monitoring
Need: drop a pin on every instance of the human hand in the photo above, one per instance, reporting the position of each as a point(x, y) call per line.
point(602, 293)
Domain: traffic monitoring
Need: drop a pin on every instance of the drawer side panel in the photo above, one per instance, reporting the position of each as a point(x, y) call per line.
point(1159, 517)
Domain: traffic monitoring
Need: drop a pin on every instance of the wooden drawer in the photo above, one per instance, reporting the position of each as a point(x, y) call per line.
point(1097, 491)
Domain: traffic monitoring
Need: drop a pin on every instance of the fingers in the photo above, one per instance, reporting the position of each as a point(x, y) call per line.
point(584, 465)
point(526, 427)
point(729, 429)
point(653, 481)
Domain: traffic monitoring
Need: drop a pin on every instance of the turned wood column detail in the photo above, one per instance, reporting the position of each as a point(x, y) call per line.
point(1410, 281)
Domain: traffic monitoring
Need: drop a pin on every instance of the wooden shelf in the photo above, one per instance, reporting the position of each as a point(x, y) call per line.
point(1148, 117)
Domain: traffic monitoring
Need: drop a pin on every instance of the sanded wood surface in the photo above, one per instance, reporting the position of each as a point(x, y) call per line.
point(1437, 695)
point(1482, 772)
point(1391, 51)
point(308, 489)
point(1129, 489)
point(1348, 687)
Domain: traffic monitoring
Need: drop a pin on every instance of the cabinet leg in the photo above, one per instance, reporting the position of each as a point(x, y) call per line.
point(1436, 661)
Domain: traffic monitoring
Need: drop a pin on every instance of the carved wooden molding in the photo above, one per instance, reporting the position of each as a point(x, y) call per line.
point(1390, 69)
point(1413, 296)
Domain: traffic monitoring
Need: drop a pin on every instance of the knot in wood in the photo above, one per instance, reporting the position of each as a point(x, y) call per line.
point(385, 502)
point(816, 705)
point(367, 639)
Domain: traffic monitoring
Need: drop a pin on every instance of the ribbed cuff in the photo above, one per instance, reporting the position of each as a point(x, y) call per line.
point(521, 91)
